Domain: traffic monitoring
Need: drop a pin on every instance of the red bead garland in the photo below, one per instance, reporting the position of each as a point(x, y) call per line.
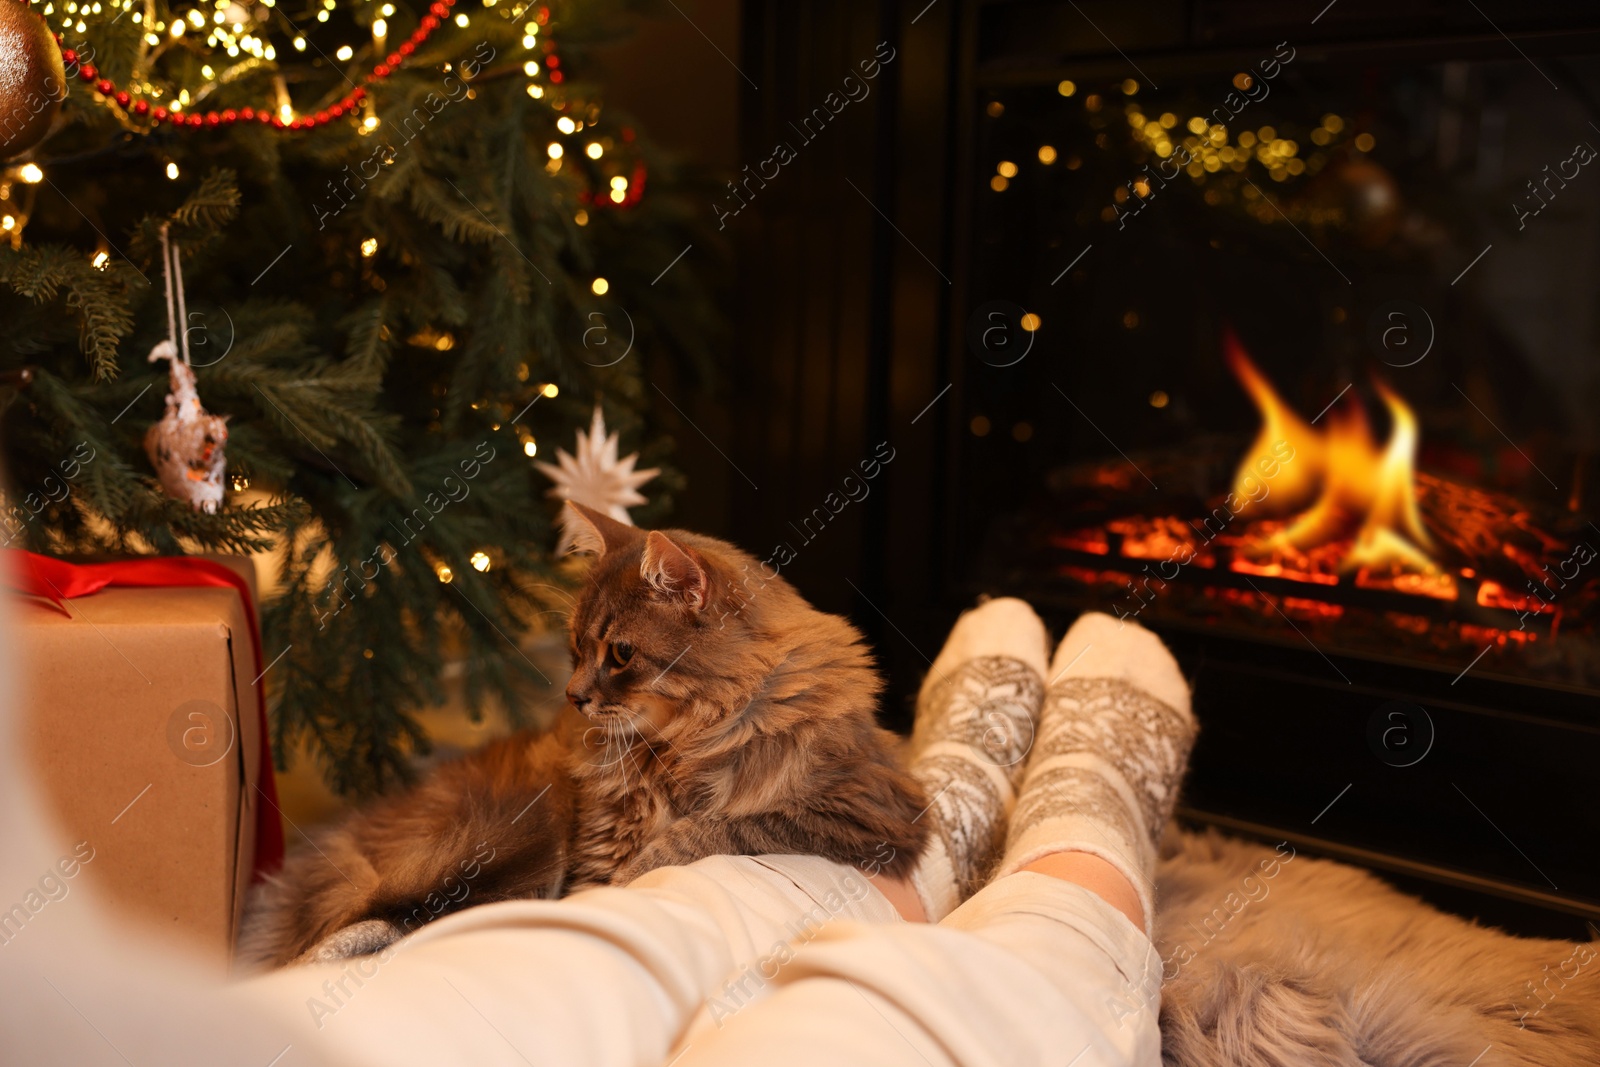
point(439, 10)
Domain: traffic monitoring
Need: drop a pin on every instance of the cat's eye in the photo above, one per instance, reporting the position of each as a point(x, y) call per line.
point(618, 653)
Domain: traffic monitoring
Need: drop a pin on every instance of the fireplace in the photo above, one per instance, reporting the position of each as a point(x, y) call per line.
point(1291, 355)
point(1269, 329)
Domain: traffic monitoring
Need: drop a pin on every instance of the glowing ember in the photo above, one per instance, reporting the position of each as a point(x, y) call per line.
point(1340, 489)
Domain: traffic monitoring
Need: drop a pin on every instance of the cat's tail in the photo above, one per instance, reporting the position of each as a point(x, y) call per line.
point(493, 825)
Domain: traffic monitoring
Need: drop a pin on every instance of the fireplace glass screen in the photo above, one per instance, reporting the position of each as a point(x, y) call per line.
point(1299, 351)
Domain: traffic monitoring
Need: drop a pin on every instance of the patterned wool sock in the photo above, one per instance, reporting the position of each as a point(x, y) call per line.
point(1114, 740)
point(976, 715)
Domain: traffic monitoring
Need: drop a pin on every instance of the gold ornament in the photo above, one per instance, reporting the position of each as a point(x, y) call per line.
point(33, 81)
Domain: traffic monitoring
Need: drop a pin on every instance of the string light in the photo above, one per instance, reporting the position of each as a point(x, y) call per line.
point(530, 447)
point(480, 561)
point(600, 286)
point(31, 173)
point(444, 572)
point(369, 247)
point(550, 389)
point(233, 27)
point(100, 260)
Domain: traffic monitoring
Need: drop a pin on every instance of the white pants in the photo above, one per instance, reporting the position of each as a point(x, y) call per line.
point(741, 960)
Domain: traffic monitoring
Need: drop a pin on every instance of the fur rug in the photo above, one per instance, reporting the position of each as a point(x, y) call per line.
point(1318, 963)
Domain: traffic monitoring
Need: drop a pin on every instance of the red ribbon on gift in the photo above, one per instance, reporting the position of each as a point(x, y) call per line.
point(57, 581)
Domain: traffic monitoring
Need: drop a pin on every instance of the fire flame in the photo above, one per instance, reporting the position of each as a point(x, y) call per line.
point(1339, 486)
point(1292, 486)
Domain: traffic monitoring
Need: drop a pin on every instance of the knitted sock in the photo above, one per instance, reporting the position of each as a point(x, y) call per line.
point(1114, 740)
point(975, 723)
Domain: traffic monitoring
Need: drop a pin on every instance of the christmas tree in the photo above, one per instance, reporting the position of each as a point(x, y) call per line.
point(416, 249)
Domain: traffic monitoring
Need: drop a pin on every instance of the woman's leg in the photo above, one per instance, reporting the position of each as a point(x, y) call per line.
point(605, 977)
point(977, 714)
point(1049, 964)
point(613, 976)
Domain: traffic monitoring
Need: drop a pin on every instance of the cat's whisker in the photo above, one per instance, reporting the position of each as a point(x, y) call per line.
point(556, 589)
point(664, 766)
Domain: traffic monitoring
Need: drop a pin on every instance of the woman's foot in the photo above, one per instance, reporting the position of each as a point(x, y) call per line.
point(1113, 745)
point(975, 723)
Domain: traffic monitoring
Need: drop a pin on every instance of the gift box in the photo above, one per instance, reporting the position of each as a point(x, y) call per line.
point(140, 704)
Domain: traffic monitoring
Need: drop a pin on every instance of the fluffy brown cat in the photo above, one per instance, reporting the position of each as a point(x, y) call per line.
point(713, 711)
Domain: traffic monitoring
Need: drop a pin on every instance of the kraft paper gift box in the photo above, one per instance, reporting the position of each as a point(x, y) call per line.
point(141, 719)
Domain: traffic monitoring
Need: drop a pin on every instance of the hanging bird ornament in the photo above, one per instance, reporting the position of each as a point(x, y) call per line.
point(595, 477)
point(186, 446)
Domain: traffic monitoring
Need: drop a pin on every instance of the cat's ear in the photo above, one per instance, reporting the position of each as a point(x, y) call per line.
point(583, 529)
point(675, 570)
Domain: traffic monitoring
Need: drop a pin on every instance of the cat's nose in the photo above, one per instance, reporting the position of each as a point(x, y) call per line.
point(579, 700)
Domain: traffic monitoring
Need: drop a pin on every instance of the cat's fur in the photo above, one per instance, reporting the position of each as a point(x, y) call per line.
point(494, 825)
point(741, 721)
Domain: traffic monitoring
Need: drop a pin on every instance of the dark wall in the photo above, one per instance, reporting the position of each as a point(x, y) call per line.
point(843, 286)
